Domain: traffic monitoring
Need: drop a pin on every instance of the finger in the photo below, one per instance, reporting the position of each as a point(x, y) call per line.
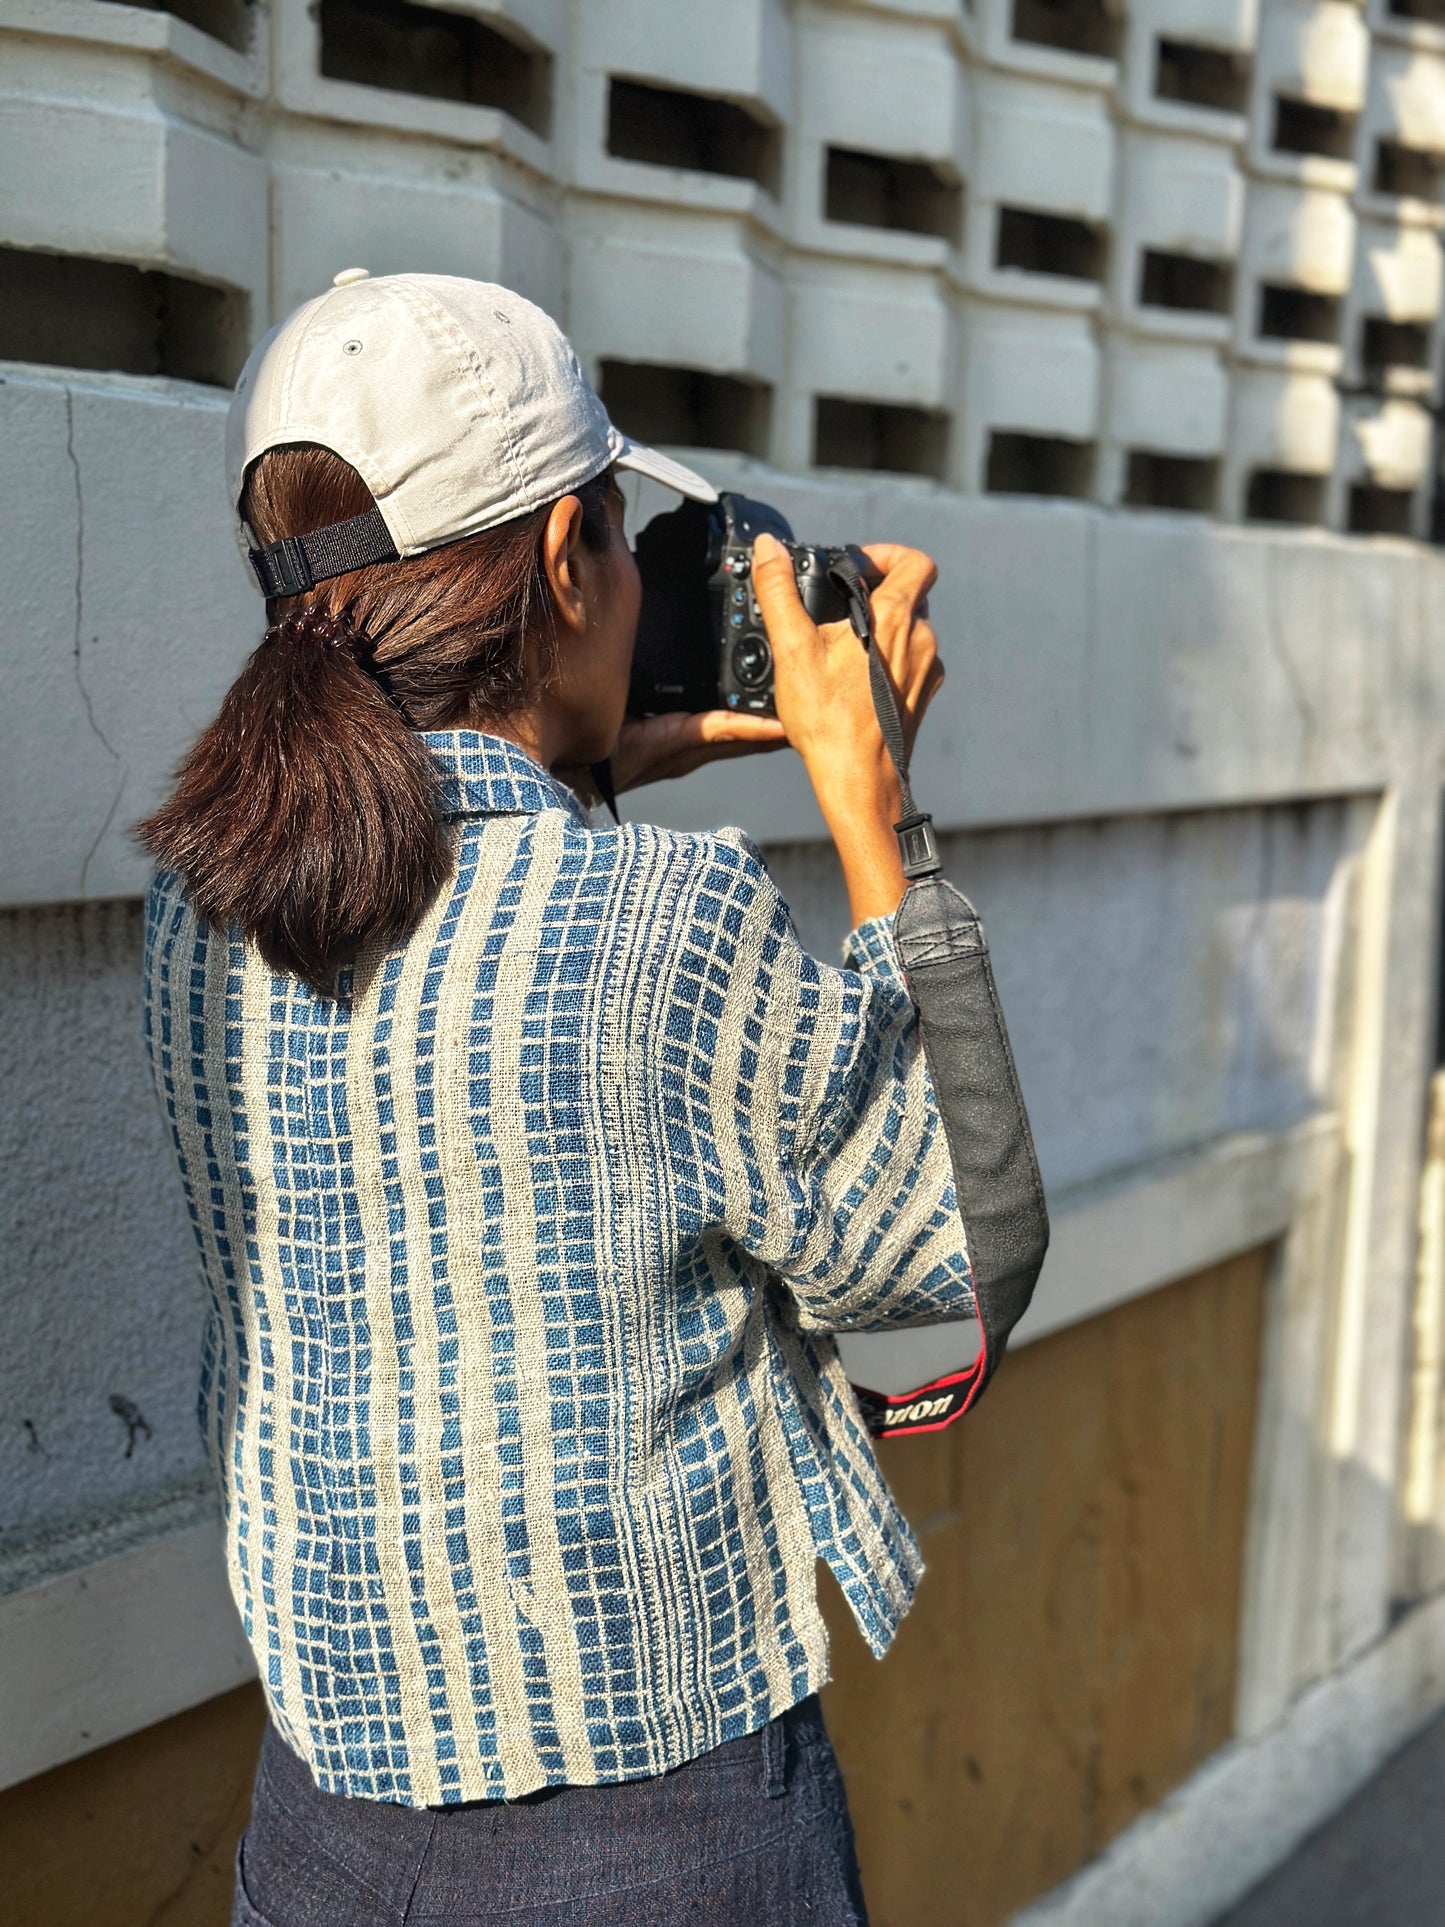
point(887, 555)
point(725, 753)
point(654, 736)
point(654, 747)
point(711, 726)
point(686, 761)
point(737, 726)
point(932, 684)
point(907, 648)
point(921, 651)
point(908, 575)
point(776, 588)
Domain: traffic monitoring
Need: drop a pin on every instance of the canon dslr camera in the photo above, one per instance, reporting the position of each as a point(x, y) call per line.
point(701, 643)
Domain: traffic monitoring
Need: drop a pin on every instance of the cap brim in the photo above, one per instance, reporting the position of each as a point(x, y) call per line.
point(662, 468)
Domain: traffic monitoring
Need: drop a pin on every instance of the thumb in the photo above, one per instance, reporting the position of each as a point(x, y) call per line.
point(775, 586)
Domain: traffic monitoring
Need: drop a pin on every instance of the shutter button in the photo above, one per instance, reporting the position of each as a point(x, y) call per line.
point(348, 275)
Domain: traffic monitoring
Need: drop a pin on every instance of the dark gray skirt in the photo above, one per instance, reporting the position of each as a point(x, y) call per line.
point(755, 1832)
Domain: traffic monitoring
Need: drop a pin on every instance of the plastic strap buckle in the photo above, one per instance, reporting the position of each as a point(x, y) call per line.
point(283, 568)
point(918, 846)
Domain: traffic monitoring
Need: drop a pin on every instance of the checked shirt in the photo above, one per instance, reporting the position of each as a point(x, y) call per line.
point(524, 1255)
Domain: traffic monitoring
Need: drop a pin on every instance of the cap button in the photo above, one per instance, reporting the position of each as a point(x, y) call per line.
point(348, 275)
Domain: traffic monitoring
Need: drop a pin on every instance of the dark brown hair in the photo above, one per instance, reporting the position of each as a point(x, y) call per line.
point(306, 813)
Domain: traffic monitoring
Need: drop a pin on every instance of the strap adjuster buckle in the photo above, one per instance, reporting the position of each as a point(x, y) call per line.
point(918, 846)
point(283, 568)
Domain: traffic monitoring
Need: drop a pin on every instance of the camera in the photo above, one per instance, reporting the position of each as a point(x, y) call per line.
point(701, 643)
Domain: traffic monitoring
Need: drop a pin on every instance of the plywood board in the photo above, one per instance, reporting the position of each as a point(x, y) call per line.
point(1073, 1650)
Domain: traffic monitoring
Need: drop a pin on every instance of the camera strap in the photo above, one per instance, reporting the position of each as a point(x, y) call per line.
point(944, 955)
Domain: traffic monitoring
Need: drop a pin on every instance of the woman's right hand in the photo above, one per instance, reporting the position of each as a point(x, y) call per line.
point(825, 704)
point(821, 687)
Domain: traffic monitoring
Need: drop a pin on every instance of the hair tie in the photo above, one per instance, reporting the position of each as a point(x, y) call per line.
point(315, 628)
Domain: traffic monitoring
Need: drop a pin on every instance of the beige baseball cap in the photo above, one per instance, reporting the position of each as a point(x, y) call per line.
point(460, 404)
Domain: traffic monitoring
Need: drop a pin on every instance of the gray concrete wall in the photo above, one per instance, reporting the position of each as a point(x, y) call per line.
point(1169, 980)
point(100, 1297)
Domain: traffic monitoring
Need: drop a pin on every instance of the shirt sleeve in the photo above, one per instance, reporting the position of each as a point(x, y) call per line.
point(850, 1196)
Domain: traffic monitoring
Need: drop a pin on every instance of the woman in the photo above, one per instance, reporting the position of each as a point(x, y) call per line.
point(532, 1165)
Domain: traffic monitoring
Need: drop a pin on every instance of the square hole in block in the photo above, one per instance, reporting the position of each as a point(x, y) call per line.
point(1184, 281)
point(657, 403)
point(443, 56)
point(1201, 76)
point(1073, 26)
point(1394, 344)
point(1298, 314)
point(1038, 465)
point(1379, 511)
point(1049, 244)
point(879, 435)
point(75, 312)
point(228, 20)
point(1183, 482)
point(874, 190)
point(1405, 170)
point(1300, 127)
point(1283, 495)
point(668, 128)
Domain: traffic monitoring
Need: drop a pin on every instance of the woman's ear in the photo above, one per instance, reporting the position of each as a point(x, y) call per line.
point(561, 545)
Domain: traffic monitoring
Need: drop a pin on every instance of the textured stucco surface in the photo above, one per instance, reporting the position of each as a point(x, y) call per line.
point(99, 1293)
point(1167, 980)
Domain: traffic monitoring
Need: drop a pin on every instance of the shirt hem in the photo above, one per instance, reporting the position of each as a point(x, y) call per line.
point(483, 1791)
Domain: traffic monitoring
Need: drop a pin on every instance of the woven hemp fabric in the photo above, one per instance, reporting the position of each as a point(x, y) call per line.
point(524, 1258)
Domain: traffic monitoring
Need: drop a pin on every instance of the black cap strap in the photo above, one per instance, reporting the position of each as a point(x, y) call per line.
point(298, 562)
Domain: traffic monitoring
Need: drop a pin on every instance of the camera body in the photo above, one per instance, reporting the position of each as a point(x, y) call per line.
point(701, 643)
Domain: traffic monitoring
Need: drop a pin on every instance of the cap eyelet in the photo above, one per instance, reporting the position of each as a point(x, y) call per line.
point(351, 347)
point(502, 317)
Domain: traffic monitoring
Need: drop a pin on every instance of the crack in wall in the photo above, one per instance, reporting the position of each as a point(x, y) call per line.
point(1274, 630)
point(77, 658)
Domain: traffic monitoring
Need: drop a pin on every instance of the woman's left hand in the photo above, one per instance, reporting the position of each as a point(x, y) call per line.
point(659, 747)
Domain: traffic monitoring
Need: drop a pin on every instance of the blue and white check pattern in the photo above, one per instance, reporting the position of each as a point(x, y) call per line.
point(524, 1258)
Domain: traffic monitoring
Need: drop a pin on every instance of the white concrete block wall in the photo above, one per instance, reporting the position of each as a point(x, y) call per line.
point(1281, 421)
point(1162, 397)
point(131, 152)
point(636, 272)
point(1226, 27)
point(1027, 371)
point(743, 51)
point(1311, 50)
point(922, 113)
point(1398, 277)
point(1406, 98)
point(1393, 320)
point(255, 170)
point(1176, 195)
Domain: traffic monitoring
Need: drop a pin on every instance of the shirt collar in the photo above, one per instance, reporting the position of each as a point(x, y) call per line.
point(488, 776)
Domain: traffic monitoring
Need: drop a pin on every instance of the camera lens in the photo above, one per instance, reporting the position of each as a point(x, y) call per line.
point(752, 660)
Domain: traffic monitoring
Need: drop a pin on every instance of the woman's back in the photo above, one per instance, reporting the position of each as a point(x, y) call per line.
point(524, 1252)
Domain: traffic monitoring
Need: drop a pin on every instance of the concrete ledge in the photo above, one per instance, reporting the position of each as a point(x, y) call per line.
point(1215, 1838)
point(1076, 639)
point(102, 1652)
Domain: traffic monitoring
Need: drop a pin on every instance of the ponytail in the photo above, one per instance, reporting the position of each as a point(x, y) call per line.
point(306, 814)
